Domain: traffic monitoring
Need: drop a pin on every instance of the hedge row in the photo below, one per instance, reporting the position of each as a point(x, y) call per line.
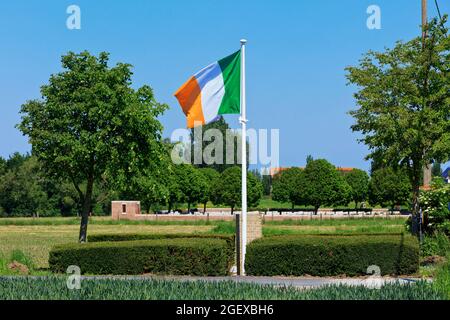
point(230, 239)
point(182, 256)
point(296, 255)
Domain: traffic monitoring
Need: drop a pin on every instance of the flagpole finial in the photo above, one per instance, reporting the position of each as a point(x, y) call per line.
point(243, 41)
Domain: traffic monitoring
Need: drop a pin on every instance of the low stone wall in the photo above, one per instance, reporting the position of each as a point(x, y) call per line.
point(274, 216)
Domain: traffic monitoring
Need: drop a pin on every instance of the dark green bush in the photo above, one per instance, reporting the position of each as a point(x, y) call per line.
point(437, 244)
point(316, 255)
point(182, 256)
point(230, 239)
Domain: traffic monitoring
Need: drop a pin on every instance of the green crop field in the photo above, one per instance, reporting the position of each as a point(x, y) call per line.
point(54, 288)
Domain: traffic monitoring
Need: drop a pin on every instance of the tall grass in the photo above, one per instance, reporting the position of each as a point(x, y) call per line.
point(15, 256)
point(54, 288)
point(442, 279)
point(224, 227)
point(435, 245)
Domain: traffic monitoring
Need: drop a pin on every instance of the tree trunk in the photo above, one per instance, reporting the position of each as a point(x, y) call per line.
point(204, 208)
point(232, 210)
point(86, 209)
point(415, 211)
point(189, 208)
point(415, 228)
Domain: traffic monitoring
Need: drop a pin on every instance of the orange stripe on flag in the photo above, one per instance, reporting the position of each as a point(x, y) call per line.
point(190, 98)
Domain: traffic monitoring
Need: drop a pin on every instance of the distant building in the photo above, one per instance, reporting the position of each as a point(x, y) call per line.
point(446, 175)
point(274, 171)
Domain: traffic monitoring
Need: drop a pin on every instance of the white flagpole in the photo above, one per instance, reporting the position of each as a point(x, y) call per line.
point(243, 120)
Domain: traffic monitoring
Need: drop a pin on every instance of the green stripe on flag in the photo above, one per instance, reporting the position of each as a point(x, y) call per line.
point(231, 73)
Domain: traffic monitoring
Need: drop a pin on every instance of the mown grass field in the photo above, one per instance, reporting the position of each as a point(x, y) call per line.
point(35, 237)
point(54, 288)
point(335, 226)
point(36, 240)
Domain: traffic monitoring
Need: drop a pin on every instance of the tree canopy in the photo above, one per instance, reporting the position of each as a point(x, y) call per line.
point(90, 123)
point(228, 189)
point(358, 180)
point(210, 177)
point(286, 186)
point(389, 187)
point(403, 103)
point(192, 184)
point(323, 185)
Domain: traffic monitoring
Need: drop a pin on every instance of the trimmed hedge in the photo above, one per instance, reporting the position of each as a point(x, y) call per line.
point(315, 255)
point(230, 239)
point(182, 256)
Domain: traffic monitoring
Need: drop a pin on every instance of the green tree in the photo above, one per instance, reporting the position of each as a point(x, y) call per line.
point(16, 160)
point(228, 189)
point(21, 190)
point(265, 178)
point(436, 170)
point(199, 145)
point(254, 190)
point(404, 103)
point(151, 185)
point(2, 166)
point(323, 185)
point(436, 207)
point(192, 184)
point(267, 184)
point(210, 177)
point(286, 187)
point(175, 193)
point(389, 187)
point(358, 180)
point(91, 124)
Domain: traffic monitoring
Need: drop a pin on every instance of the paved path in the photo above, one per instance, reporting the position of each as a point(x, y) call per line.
point(298, 282)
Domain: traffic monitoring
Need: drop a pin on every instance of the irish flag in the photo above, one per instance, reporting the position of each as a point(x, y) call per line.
point(212, 91)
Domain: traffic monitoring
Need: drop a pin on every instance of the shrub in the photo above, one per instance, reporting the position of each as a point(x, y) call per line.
point(21, 257)
point(317, 255)
point(182, 256)
point(23, 263)
point(230, 239)
point(442, 280)
point(436, 207)
point(435, 245)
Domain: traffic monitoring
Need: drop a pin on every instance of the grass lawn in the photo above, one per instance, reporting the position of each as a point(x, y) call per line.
point(54, 288)
point(36, 240)
point(335, 226)
point(35, 237)
point(58, 221)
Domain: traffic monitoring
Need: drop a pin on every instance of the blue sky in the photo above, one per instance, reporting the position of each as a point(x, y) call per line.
point(296, 55)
